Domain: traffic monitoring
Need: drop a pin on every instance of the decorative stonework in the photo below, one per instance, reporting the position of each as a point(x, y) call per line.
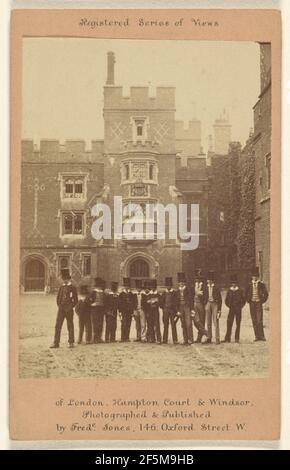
point(35, 188)
point(162, 131)
point(118, 129)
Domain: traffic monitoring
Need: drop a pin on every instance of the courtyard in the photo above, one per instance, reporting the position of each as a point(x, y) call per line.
point(134, 359)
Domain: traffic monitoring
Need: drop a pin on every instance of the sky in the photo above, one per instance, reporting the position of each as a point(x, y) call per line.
point(63, 79)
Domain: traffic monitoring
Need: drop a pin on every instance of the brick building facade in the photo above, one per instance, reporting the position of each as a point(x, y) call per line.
point(146, 157)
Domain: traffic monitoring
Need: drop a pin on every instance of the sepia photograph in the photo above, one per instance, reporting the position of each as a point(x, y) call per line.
point(145, 208)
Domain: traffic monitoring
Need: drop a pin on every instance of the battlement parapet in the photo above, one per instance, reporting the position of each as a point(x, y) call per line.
point(192, 131)
point(139, 98)
point(50, 150)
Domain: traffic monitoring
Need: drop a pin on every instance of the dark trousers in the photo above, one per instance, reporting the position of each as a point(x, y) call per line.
point(234, 313)
point(111, 326)
point(97, 314)
point(256, 310)
point(186, 323)
point(156, 324)
point(126, 325)
point(85, 324)
point(199, 319)
point(62, 314)
point(168, 316)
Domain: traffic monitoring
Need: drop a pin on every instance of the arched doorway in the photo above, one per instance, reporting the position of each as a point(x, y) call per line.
point(139, 269)
point(34, 276)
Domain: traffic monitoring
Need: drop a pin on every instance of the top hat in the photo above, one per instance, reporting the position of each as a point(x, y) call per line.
point(255, 271)
point(211, 275)
point(168, 282)
point(98, 282)
point(126, 282)
point(65, 274)
point(234, 279)
point(198, 272)
point(114, 286)
point(83, 289)
point(153, 283)
point(181, 277)
point(138, 283)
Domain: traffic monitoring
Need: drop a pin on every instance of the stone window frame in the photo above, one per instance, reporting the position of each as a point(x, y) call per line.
point(72, 235)
point(135, 123)
point(74, 176)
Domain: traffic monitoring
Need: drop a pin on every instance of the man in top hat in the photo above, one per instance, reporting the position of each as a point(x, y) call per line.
point(139, 313)
point(66, 300)
point(83, 310)
point(168, 303)
point(153, 313)
point(98, 300)
point(112, 305)
point(198, 305)
point(213, 306)
point(256, 296)
point(235, 300)
point(184, 304)
point(127, 305)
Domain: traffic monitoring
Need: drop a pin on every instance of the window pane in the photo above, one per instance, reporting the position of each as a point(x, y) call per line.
point(78, 224)
point(67, 223)
point(69, 188)
point(139, 130)
point(78, 188)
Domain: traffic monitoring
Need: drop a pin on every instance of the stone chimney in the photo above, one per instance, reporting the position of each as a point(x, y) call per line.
point(110, 68)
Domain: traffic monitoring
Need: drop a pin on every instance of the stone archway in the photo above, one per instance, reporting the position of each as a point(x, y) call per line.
point(34, 274)
point(139, 266)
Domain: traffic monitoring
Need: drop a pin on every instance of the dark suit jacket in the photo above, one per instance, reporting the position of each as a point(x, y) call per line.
point(262, 292)
point(216, 294)
point(173, 301)
point(67, 296)
point(127, 302)
point(112, 302)
point(144, 304)
point(235, 299)
point(188, 296)
point(155, 297)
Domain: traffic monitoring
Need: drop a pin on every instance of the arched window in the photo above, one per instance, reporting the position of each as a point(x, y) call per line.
point(139, 268)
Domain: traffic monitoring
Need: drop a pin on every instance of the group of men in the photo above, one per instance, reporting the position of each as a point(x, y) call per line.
point(197, 304)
